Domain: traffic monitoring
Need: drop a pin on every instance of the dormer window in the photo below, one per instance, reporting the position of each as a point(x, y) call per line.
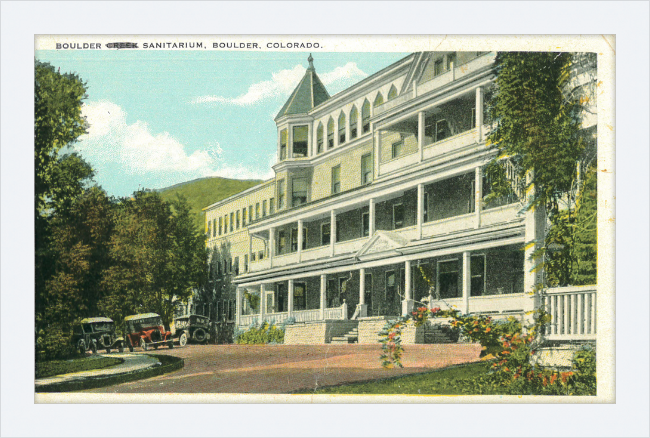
point(392, 94)
point(365, 116)
point(342, 128)
point(354, 119)
point(300, 141)
point(330, 134)
point(283, 144)
point(319, 139)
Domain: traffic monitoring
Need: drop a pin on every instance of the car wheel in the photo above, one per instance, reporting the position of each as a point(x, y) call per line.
point(155, 346)
point(130, 345)
point(82, 348)
point(93, 347)
point(182, 340)
point(199, 335)
point(120, 347)
point(170, 344)
point(143, 344)
point(108, 351)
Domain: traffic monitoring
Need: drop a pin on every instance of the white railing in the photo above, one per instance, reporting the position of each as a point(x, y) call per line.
point(448, 225)
point(573, 312)
point(393, 102)
point(504, 304)
point(451, 144)
point(315, 253)
point(299, 315)
point(349, 246)
point(501, 214)
point(399, 163)
point(512, 174)
point(334, 313)
point(307, 315)
point(260, 265)
point(248, 319)
point(285, 259)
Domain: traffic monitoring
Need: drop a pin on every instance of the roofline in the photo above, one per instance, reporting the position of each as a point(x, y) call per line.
point(238, 194)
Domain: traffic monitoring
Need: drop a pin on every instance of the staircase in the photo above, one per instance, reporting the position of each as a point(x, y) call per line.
point(436, 334)
point(351, 337)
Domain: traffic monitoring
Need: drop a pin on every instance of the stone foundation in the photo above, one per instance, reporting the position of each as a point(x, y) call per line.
point(436, 331)
point(316, 332)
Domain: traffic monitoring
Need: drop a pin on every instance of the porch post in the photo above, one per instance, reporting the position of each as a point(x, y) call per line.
point(467, 281)
point(238, 306)
point(323, 286)
point(332, 231)
point(271, 244)
point(479, 114)
point(535, 221)
point(408, 303)
point(290, 300)
point(420, 134)
point(371, 217)
point(262, 302)
point(420, 211)
point(363, 307)
point(478, 196)
point(300, 240)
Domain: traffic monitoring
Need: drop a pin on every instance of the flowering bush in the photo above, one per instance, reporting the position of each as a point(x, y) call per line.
point(265, 333)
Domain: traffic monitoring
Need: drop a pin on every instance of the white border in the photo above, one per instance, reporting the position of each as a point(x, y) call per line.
point(629, 21)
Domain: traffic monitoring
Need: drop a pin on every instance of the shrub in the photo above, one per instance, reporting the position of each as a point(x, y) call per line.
point(54, 343)
point(265, 333)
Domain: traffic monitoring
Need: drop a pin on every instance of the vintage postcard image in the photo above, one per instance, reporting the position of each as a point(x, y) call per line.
point(292, 218)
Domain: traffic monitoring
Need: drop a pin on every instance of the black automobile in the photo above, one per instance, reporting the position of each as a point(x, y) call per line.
point(194, 328)
point(96, 333)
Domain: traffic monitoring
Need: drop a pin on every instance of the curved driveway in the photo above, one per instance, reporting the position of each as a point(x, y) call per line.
point(277, 369)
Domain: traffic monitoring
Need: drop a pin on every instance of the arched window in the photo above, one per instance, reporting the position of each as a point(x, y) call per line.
point(319, 138)
point(354, 120)
point(365, 116)
point(342, 128)
point(330, 133)
point(379, 100)
point(392, 94)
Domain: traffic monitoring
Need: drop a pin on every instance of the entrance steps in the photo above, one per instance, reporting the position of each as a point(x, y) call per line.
point(351, 337)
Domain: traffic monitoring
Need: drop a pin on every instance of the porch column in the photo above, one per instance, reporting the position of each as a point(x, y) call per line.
point(262, 302)
point(323, 302)
point(479, 114)
point(420, 134)
point(290, 300)
point(377, 151)
point(238, 306)
point(408, 303)
point(363, 307)
point(332, 232)
point(300, 242)
point(478, 196)
point(271, 245)
point(467, 281)
point(371, 217)
point(420, 211)
point(535, 222)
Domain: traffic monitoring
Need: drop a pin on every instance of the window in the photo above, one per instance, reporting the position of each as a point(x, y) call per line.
point(280, 194)
point(253, 257)
point(319, 139)
point(366, 168)
point(214, 227)
point(425, 207)
point(220, 225)
point(236, 265)
point(225, 266)
point(332, 294)
point(230, 263)
point(430, 127)
point(398, 216)
point(336, 179)
point(300, 141)
point(354, 120)
point(260, 255)
point(250, 213)
point(209, 228)
point(379, 100)
point(325, 234)
point(392, 94)
point(337, 230)
point(282, 297)
point(218, 265)
point(245, 262)
point(396, 149)
point(243, 217)
point(294, 239)
point(231, 310)
point(282, 241)
point(283, 144)
point(442, 130)
point(365, 116)
point(365, 224)
point(342, 128)
point(299, 189)
point(448, 284)
point(368, 292)
point(342, 288)
point(451, 60)
point(473, 119)
point(299, 296)
point(232, 217)
point(264, 208)
point(272, 206)
point(237, 215)
point(391, 285)
point(477, 272)
point(330, 134)
point(257, 210)
point(438, 67)
point(225, 224)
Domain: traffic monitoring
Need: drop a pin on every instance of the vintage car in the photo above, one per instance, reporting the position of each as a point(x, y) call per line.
point(194, 328)
point(95, 333)
point(146, 330)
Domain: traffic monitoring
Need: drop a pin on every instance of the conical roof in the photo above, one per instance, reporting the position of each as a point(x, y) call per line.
point(309, 93)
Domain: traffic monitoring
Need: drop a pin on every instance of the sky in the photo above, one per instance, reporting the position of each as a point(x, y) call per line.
point(159, 118)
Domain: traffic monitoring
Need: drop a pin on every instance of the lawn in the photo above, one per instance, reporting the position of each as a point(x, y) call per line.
point(56, 367)
point(449, 381)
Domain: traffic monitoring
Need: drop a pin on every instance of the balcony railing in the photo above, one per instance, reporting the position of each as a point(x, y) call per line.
point(504, 304)
point(573, 312)
point(299, 315)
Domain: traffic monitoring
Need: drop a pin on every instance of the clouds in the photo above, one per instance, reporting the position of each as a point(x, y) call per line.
point(133, 149)
point(283, 83)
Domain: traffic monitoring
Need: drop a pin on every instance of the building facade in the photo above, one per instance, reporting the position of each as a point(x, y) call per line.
point(377, 205)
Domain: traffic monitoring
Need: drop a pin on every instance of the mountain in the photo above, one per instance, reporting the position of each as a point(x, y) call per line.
point(206, 191)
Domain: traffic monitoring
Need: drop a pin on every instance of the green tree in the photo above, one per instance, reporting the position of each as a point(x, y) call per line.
point(585, 232)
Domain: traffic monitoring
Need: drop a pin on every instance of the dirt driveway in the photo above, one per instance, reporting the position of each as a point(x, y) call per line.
point(278, 369)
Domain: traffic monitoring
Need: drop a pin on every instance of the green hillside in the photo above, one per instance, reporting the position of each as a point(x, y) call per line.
point(206, 191)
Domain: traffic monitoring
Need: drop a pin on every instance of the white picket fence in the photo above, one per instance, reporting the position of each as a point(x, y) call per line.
point(573, 313)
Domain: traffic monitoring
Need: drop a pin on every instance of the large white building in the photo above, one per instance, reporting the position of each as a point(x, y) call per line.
point(376, 188)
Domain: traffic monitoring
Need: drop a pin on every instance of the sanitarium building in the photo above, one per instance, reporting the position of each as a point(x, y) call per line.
point(376, 188)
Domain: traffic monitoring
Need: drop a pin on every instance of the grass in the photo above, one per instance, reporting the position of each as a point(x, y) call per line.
point(440, 382)
point(206, 191)
point(56, 367)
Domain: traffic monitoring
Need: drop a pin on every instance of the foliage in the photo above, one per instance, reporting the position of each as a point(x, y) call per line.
point(585, 232)
point(56, 367)
point(54, 342)
point(265, 333)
